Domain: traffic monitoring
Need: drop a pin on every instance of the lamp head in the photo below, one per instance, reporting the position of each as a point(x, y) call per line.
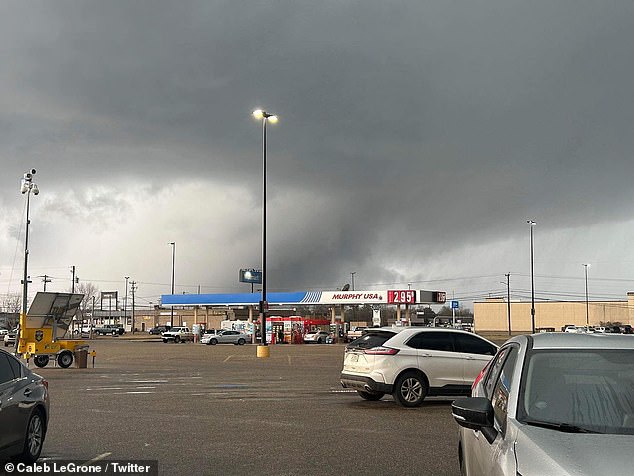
point(258, 113)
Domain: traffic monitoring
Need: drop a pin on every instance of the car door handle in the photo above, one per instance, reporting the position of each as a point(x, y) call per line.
point(27, 392)
point(425, 355)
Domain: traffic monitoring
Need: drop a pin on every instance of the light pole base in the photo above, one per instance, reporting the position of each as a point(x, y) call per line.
point(263, 352)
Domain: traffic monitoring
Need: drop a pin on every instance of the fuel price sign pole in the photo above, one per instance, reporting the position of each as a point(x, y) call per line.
point(454, 305)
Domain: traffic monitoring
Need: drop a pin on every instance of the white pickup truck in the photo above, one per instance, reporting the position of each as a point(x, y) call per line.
point(354, 333)
point(178, 334)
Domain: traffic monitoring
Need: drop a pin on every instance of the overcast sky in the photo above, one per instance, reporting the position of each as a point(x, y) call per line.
point(415, 140)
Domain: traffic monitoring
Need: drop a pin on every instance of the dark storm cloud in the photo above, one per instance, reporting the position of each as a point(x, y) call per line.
point(417, 120)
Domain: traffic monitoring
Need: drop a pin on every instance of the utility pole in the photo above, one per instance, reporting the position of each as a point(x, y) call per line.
point(125, 302)
point(133, 288)
point(75, 279)
point(531, 223)
point(508, 299)
point(45, 279)
point(92, 318)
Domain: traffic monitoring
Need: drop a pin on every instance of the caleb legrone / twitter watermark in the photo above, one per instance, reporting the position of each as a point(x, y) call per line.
point(112, 467)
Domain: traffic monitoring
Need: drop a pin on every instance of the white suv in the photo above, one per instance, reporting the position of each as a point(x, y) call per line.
point(412, 362)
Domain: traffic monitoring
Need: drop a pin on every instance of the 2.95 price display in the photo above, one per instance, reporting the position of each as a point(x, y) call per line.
point(405, 296)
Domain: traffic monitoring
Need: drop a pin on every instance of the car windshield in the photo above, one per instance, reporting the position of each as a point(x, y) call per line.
point(579, 390)
point(371, 339)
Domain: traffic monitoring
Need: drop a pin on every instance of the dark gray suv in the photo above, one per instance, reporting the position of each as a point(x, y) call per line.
point(23, 410)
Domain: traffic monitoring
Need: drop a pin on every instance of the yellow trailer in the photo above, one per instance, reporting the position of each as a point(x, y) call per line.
point(44, 331)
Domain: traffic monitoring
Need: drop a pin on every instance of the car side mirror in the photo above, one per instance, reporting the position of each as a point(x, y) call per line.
point(475, 413)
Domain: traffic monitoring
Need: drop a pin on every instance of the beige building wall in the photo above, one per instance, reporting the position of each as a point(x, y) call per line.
point(210, 317)
point(492, 314)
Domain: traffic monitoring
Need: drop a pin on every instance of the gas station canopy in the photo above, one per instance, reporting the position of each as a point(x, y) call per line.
point(387, 296)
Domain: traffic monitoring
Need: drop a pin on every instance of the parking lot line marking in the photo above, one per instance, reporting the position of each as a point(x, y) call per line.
point(145, 388)
point(97, 458)
point(148, 381)
point(105, 388)
point(227, 359)
point(289, 360)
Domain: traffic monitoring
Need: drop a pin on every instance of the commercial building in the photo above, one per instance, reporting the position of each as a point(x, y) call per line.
point(491, 315)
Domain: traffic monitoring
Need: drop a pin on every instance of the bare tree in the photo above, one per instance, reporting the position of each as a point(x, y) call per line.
point(89, 290)
point(10, 303)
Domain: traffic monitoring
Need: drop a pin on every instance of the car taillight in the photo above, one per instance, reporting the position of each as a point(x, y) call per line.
point(381, 351)
point(479, 377)
point(45, 383)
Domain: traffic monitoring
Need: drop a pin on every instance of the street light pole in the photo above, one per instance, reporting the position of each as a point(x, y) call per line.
point(508, 299)
point(265, 117)
point(26, 188)
point(586, 266)
point(531, 223)
point(125, 303)
point(173, 244)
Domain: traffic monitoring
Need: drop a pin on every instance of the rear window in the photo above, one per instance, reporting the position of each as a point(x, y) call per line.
point(371, 339)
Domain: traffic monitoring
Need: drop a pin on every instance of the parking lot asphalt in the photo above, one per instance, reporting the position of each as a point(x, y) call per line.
point(221, 410)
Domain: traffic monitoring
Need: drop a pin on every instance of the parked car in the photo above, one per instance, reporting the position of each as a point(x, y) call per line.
point(9, 338)
point(3, 332)
point(551, 404)
point(412, 362)
point(355, 333)
point(85, 329)
point(109, 329)
point(316, 337)
point(178, 334)
point(24, 407)
point(158, 330)
point(226, 337)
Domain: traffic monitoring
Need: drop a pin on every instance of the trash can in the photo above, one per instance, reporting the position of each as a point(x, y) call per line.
point(81, 358)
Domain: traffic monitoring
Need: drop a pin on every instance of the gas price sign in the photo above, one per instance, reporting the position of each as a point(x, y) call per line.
point(406, 296)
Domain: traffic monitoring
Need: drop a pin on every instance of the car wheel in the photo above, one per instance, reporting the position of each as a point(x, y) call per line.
point(64, 359)
point(41, 360)
point(320, 341)
point(177, 339)
point(34, 439)
point(411, 389)
point(164, 341)
point(114, 333)
point(371, 396)
point(241, 341)
point(213, 341)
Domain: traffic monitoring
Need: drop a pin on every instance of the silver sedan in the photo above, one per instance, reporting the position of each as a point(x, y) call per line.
point(226, 337)
point(552, 403)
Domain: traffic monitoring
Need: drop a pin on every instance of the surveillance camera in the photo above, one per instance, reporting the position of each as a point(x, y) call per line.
point(28, 177)
point(32, 171)
point(36, 190)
